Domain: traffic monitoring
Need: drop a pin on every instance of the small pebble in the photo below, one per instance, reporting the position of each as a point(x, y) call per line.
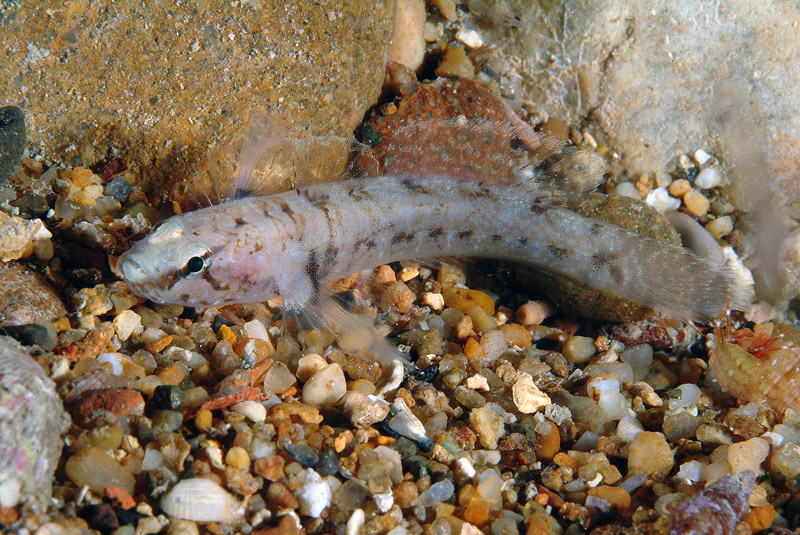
point(696, 203)
point(679, 188)
point(527, 396)
point(325, 387)
point(314, 495)
point(748, 455)
point(254, 410)
point(168, 397)
point(661, 200)
point(238, 458)
point(650, 453)
point(456, 63)
point(720, 227)
point(579, 349)
point(303, 454)
point(708, 178)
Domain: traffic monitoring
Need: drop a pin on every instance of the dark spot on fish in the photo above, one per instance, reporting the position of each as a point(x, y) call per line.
point(239, 222)
point(496, 238)
point(537, 208)
point(523, 241)
point(331, 252)
point(464, 234)
point(312, 270)
point(172, 279)
point(257, 247)
point(370, 244)
point(435, 233)
point(402, 237)
point(184, 297)
point(601, 259)
point(616, 274)
point(414, 187)
point(216, 284)
point(556, 251)
point(595, 229)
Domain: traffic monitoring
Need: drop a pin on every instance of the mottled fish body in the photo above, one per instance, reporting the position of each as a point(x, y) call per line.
point(288, 245)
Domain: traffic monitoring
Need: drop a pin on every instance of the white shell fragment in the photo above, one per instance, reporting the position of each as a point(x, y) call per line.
point(314, 495)
point(527, 396)
point(202, 500)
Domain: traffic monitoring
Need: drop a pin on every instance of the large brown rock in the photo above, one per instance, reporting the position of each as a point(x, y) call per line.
point(164, 84)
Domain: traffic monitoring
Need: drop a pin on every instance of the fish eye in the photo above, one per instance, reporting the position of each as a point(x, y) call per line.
point(195, 264)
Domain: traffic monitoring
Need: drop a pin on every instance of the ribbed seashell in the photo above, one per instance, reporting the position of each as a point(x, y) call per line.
point(774, 380)
point(32, 422)
point(202, 500)
point(93, 379)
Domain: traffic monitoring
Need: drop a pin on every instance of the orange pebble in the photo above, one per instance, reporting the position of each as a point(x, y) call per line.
point(477, 514)
point(473, 349)
point(464, 299)
point(760, 517)
point(226, 334)
point(173, 375)
point(159, 345)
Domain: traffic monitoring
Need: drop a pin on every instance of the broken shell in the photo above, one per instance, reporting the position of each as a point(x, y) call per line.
point(202, 500)
point(32, 421)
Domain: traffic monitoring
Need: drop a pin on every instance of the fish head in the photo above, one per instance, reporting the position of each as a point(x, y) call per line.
point(193, 260)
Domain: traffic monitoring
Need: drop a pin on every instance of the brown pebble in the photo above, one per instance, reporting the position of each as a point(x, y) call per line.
point(286, 526)
point(270, 468)
point(281, 497)
point(159, 345)
point(616, 496)
point(549, 442)
point(405, 493)
point(456, 63)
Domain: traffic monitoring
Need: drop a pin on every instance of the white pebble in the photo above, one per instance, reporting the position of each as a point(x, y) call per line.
point(471, 38)
point(720, 227)
point(628, 427)
point(436, 494)
point(708, 178)
point(599, 384)
point(355, 522)
point(628, 189)
point(256, 329)
point(661, 200)
point(465, 465)
point(691, 471)
point(314, 495)
point(638, 356)
point(113, 359)
point(325, 387)
point(701, 156)
point(152, 460)
point(254, 410)
point(308, 365)
point(10, 492)
point(384, 500)
point(612, 405)
point(477, 382)
point(126, 323)
point(527, 396)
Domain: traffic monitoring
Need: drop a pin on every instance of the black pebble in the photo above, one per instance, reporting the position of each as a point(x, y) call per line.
point(303, 454)
point(428, 374)
point(33, 334)
point(328, 463)
point(12, 140)
point(100, 517)
point(31, 205)
point(119, 188)
point(168, 397)
point(129, 518)
point(417, 466)
point(219, 321)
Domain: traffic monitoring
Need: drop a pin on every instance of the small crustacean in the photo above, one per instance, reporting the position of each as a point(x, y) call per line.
point(759, 365)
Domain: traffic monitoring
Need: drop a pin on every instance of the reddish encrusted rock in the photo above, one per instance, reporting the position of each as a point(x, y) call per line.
point(107, 405)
